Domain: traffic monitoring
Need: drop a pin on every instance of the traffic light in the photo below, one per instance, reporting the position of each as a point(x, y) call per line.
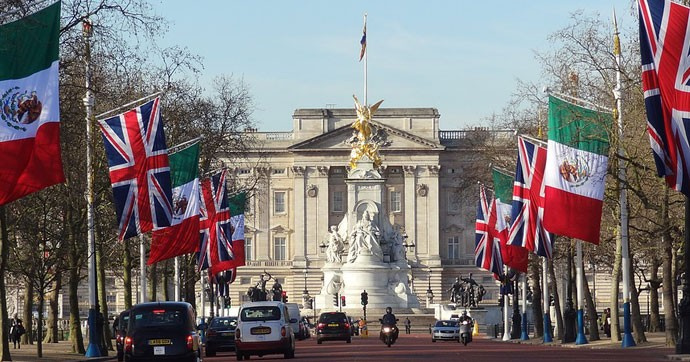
point(342, 300)
point(285, 298)
point(335, 300)
point(365, 298)
point(227, 302)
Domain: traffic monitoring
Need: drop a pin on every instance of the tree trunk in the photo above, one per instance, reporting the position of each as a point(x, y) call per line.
point(537, 310)
point(654, 315)
point(190, 281)
point(4, 257)
point(27, 315)
point(39, 324)
point(667, 274)
point(153, 282)
point(591, 313)
point(166, 280)
point(635, 314)
point(556, 301)
point(615, 288)
point(103, 302)
point(127, 275)
point(75, 336)
point(52, 331)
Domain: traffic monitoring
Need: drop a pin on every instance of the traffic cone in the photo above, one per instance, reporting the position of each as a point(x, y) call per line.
point(475, 330)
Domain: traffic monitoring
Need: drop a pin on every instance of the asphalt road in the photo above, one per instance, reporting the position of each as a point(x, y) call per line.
point(418, 347)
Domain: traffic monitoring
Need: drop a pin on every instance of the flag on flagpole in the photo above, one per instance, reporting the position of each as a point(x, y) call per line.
point(214, 223)
point(663, 46)
point(29, 105)
point(487, 253)
point(574, 177)
point(363, 41)
point(513, 256)
point(182, 236)
point(527, 229)
point(139, 169)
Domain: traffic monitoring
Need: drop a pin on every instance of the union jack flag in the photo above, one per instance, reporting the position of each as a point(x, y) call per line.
point(487, 252)
point(215, 228)
point(527, 213)
point(139, 170)
point(664, 39)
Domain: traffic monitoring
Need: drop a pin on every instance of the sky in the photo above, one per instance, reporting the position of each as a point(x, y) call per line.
point(462, 57)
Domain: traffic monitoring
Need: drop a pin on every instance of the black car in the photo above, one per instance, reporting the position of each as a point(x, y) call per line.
point(333, 326)
point(120, 333)
point(220, 335)
point(162, 331)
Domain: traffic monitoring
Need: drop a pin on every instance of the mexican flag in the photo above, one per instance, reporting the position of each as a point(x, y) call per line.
point(576, 161)
point(513, 256)
point(29, 105)
point(182, 236)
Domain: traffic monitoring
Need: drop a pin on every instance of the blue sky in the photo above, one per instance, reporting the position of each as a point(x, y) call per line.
point(461, 57)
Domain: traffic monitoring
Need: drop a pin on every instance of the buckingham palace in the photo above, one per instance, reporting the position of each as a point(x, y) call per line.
point(430, 194)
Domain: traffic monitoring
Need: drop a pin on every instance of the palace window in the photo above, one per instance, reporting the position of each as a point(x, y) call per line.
point(279, 202)
point(338, 201)
point(248, 248)
point(279, 248)
point(396, 201)
point(453, 247)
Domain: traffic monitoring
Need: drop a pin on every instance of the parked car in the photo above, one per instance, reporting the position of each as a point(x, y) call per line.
point(162, 330)
point(333, 326)
point(120, 333)
point(293, 312)
point(264, 328)
point(446, 330)
point(354, 326)
point(220, 335)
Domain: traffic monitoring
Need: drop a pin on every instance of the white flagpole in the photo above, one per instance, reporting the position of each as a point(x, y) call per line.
point(524, 335)
point(506, 322)
point(548, 338)
point(177, 280)
point(203, 299)
point(628, 340)
point(366, 57)
point(142, 268)
point(581, 339)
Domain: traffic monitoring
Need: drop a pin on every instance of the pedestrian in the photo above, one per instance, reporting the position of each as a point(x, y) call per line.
point(407, 325)
point(606, 317)
point(16, 331)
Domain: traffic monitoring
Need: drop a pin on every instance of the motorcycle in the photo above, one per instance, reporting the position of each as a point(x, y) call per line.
point(466, 331)
point(389, 332)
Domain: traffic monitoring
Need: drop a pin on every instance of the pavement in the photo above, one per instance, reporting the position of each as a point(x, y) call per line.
point(53, 352)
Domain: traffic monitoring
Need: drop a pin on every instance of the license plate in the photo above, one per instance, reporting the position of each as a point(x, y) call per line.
point(260, 330)
point(158, 350)
point(332, 324)
point(159, 342)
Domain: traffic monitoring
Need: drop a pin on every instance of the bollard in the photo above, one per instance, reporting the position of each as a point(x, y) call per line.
point(475, 331)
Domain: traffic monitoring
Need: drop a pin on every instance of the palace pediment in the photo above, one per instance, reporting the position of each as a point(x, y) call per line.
point(338, 140)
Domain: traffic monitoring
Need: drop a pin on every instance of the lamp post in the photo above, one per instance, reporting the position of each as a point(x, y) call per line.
point(429, 292)
point(305, 292)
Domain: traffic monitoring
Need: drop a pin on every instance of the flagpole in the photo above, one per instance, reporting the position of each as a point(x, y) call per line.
point(547, 304)
point(506, 324)
point(581, 339)
point(366, 58)
point(524, 335)
point(124, 106)
point(177, 279)
point(94, 347)
point(142, 268)
point(628, 340)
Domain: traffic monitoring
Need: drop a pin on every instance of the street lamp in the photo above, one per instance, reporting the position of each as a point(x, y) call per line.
point(305, 292)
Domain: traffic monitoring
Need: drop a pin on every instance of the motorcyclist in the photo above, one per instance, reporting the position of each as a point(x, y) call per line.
point(468, 328)
point(465, 317)
point(389, 319)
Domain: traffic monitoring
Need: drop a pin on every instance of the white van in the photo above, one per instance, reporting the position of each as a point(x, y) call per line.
point(264, 328)
point(293, 312)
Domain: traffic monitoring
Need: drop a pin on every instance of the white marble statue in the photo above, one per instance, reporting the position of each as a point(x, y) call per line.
point(335, 246)
point(364, 238)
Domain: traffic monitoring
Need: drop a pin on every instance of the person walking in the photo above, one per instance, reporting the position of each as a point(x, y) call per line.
point(606, 317)
point(16, 331)
point(407, 325)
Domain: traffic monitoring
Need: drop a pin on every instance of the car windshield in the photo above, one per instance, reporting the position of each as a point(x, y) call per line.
point(332, 318)
point(123, 324)
point(260, 313)
point(446, 324)
point(224, 323)
point(158, 317)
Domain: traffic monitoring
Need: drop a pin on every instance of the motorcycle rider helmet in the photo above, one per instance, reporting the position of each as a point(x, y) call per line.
point(389, 310)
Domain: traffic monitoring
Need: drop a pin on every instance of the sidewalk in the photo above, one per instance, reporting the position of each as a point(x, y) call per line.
point(53, 352)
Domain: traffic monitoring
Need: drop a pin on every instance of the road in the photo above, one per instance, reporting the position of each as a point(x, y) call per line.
point(418, 347)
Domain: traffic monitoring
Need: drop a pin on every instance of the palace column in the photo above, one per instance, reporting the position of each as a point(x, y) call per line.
point(410, 208)
point(300, 215)
point(318, 211)
point(428, 214)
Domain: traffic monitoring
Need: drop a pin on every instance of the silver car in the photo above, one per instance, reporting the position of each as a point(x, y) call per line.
point(447, 330)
